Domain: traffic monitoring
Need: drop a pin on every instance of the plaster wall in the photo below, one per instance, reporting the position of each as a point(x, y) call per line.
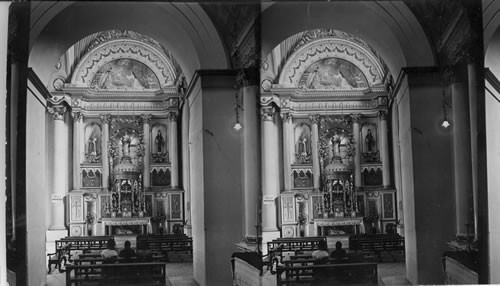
point(222, 170)
point(493, 164)
point(427, 178)
point(36, 190)
point(196, 185)
point(492, 54)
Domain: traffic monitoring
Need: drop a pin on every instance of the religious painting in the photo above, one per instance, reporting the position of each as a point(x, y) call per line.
point(105, 205)
point(302, 179)
point(361, 205)
point(388, 205)
point(302, 139)
point(159, 144)
point(336, 140)
point(91, 178)
point(333, 74)
point(161, 177)
point(288, 209)
point(76, 208)
point(316, 201)
point(92, 140)
point(125, 74)
point(369, 143)
point(176, 206)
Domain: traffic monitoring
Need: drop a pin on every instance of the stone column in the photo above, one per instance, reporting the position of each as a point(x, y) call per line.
point(461, 154)
point(471, 70)
point(105, 119)
point(251, 158)
point(384, 149)
point(270, 176)
point(77, 147)
point(287, 150)
point(146, 180)
point(173, 152)
point(357, 150)
point(315, 152)
point(60, 175)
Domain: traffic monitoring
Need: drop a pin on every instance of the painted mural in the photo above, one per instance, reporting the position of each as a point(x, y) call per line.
point(125, 74)
point(335, 74)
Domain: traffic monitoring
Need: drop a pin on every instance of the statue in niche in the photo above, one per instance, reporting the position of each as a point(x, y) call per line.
point(159, 142)
point(370, 141)
point(92, 145)
point(126, 144)
point(302, 145)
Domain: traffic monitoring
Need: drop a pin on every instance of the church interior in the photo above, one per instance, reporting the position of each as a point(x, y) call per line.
point(231, 127)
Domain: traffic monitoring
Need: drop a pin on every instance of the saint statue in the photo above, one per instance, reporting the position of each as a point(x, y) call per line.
point(126, 144)
point(370, 141)
point(302, 146)
point(336, 139)
point(159, 142)
point(92, 149)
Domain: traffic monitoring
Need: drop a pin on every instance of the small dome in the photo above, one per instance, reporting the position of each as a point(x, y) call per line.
point(337, 170)
point(126, 167)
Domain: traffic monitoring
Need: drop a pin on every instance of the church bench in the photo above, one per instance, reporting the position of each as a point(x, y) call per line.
point(383, 247)
point(333, 274)
point(173, 247)
point(296, 245)
point(145, 273)
point(64, 246)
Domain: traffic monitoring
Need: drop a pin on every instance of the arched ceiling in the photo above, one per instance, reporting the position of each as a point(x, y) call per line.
point(182, 28)
point(389, 27)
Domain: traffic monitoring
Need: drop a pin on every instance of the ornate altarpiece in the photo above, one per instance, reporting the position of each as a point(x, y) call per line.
point(336, 84)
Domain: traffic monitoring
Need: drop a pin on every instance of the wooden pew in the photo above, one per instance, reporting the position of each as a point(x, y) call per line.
point(65, 245)
point(328, 274)
point(295, 245)
point(170, 245)
point(146, 273)
point(380, 246)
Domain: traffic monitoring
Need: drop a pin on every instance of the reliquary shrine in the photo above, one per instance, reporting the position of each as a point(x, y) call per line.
point(123, 93)
point(331, 96)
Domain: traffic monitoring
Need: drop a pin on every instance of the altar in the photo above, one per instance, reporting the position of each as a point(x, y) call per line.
point(338, 226)
point(126, 226)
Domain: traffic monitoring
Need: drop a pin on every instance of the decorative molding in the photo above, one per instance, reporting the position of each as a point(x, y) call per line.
point(267, 113)
point(146, 118)
point(356, 117)
point(315, 118)
point(286, 117)
point(324, 48)
point(105, 118)
point(382, 115)
point(172, 116)
point(124, 48)
point(57, 112)
point(77, 116)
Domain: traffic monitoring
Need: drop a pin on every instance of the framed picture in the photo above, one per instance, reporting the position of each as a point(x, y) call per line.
point(388, 206)
point(176, 206)
point(76, 208)
point(287, 209)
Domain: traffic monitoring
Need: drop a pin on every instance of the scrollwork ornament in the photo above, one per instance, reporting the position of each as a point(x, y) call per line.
point(105, 118)
point(77, 116)
point(267, 113)
point(315, 118)
point(382, 115)
point(146, 118)
point(172, 116)
point(356, 117)
point(57, 112)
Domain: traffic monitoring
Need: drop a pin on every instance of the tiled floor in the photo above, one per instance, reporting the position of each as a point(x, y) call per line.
point(181, 274)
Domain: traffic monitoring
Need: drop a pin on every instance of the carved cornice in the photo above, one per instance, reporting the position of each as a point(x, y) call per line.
point(267, 113)
point(57, 112)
